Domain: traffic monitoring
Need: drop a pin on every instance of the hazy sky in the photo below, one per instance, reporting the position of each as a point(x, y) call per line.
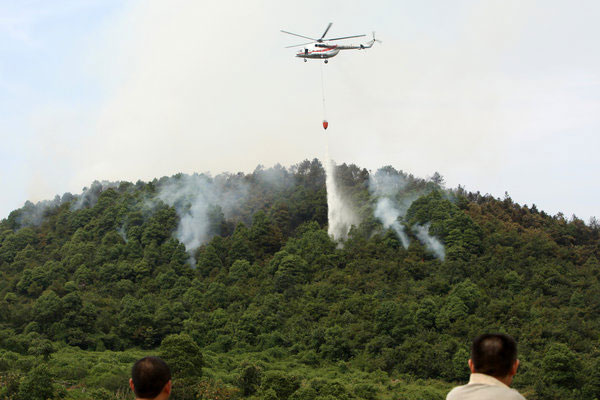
point(495, 95)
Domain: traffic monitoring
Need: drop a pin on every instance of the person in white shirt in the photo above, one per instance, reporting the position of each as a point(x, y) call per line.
point(493, 365)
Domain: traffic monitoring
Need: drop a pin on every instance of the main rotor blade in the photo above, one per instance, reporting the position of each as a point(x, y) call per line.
point(326, 30)
point(345, 37)
point(297, 45)
point(295, 34)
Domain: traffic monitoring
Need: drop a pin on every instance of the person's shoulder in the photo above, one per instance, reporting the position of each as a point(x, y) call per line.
point(454, 393)
point(478, 391)
point(505, 393)
point(509, 393)
point(516, 395)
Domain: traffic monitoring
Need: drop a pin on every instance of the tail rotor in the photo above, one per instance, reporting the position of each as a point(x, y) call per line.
point(374, 39)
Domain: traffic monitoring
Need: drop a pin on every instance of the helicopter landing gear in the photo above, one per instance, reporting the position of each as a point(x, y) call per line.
point(326, 61)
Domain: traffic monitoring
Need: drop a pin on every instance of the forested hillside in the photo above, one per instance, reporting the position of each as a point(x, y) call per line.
point(239, 286)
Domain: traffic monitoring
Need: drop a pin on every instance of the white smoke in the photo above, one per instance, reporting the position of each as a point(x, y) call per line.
point(89, 196)
point(194, 196)
point(340, 213)
point(431, 243)
point(33, 214)
point(121, 231)
point(276, 176)
point(385, 185)
point(388, 214)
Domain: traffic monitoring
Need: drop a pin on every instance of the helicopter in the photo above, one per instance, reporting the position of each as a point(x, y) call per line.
point(320, 49)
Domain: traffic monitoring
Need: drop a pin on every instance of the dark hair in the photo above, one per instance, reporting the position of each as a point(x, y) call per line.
point(494, 354)
point(149, 376)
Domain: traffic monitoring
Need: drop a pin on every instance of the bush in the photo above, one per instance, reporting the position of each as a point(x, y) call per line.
point(8, 360)
point(365, 391)
point(108, 376)
point(37, 385)
point(210, 390)
point(283, 384)
point(249, 379)
point(182, 355)
point(327, 388)
point(9, 385)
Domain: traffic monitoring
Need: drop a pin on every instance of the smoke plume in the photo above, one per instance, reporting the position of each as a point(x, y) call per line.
point(388, 214)
point(89, 196)
point(121, 231)
point(33, 214)
point(385, 185)
point(194, 197)
point(431, 243)
point(275, 177)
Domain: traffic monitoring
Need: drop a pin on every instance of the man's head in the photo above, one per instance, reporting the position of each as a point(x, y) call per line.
point(150, 379)
point(494, 354)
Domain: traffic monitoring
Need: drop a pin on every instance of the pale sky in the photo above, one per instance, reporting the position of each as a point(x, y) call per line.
point(495, 95)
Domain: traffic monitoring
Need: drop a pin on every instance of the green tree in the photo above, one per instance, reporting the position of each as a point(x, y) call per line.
point(41, 348)
point(460, 369)
point(426, 313)
point(240, 245)
point(239, 271)
point(281, 383)
point(182, 355)
point(264, 236)
point(37, 385)
point(249, 379)
point(453, 310)
point(291, 270)
point(560, 366)
point(208, 260)
point(47, 308)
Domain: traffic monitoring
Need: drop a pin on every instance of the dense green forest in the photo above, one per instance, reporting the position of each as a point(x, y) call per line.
point(235, 281)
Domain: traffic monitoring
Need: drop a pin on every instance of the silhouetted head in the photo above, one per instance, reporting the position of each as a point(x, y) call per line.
point(494, 354)
point(149, 377)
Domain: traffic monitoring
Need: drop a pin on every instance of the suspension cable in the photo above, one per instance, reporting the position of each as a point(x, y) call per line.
point(323, 93)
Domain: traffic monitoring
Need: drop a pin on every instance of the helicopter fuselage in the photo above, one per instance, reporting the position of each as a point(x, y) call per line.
point(318, 52)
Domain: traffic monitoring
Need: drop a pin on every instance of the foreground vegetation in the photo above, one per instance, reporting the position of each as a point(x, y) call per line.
point(104, 375)
point(274, 309)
